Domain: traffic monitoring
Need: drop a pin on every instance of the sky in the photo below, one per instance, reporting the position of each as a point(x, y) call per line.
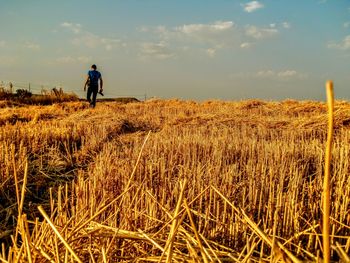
point(186, 49)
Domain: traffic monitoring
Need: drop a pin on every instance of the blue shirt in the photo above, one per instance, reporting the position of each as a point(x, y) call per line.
point(94, 76)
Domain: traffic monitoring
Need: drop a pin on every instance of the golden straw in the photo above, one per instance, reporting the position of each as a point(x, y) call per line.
point(42, 211)
point(327, 176)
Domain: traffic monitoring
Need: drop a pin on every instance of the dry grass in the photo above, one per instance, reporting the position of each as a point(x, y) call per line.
point(171, 181)
point(23, 97)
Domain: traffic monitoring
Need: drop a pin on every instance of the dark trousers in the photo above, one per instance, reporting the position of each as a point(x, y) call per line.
point(92, 90)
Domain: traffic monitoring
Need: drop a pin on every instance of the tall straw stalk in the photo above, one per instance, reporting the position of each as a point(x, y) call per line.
point(327, 176)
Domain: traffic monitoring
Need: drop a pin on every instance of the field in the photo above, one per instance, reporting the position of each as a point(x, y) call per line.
point(171, 181)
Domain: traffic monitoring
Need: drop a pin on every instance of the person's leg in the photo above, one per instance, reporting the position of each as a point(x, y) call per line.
point(89, 92)
point(94, 95)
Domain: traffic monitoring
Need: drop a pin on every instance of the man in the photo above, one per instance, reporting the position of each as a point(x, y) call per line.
point(92, 80)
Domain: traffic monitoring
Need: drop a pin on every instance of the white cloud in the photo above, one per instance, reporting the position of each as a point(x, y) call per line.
point(211, 34)
point(219, 33)
point(259, 33)
point(286, 25)
point(90, 40)
point(2, 43)
point(110, 43)
point(207, 37)
point(211, 52)
point(65, 59)
point(200, 28)
point(161, 29)
point(84, 59)
point(144, 29)
point(31, 45)
point(246, 45)
point(75, 28)
point(159, 51)
point(70, 59)
point(287, 74)
point(108, 47)
point(343, 45)
point(252, 6)
point(280, 75)
point(266, 74)
point(346, 24)
point(87, 39)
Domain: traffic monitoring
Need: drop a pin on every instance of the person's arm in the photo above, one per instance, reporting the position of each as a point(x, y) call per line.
point(86, 82)
point(101, 84)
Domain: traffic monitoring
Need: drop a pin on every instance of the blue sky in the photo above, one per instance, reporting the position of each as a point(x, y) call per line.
point(223, 49)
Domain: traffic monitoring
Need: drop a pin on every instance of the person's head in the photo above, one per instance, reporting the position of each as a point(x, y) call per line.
point(94, 67)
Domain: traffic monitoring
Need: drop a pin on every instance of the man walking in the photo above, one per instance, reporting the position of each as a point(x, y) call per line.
point(92, 80)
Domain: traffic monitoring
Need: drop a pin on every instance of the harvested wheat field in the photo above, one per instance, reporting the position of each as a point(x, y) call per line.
point(172, 181)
